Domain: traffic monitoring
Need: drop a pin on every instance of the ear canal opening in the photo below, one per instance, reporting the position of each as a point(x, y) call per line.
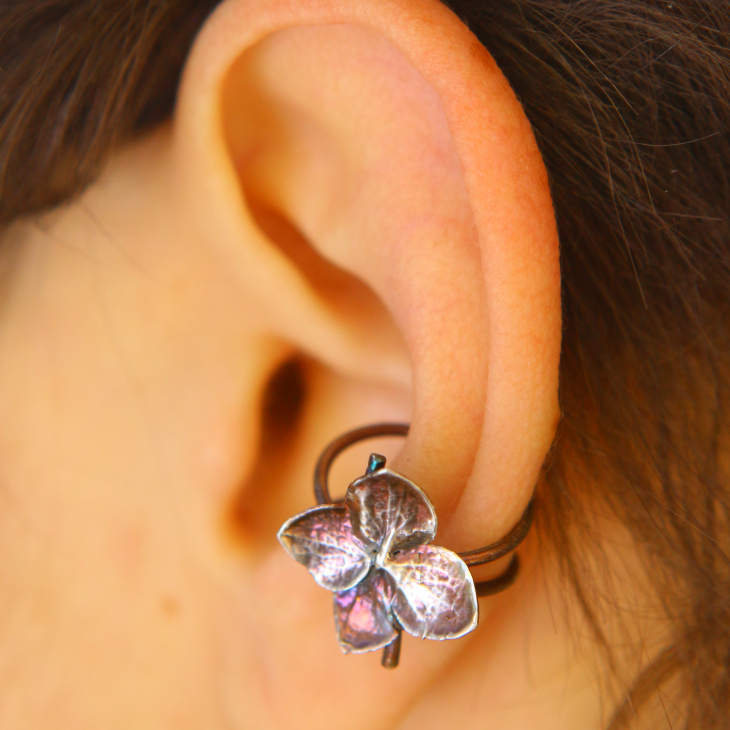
point(255, 511)
point(283, 400)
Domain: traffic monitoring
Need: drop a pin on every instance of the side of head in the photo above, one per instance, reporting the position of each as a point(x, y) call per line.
point(505, 224)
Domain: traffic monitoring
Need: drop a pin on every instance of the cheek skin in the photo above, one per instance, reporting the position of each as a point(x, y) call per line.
point(129, 388)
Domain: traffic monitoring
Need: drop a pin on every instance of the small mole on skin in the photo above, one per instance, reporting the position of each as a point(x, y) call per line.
point(170, 606)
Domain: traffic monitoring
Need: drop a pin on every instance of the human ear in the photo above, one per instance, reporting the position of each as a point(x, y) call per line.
point(354, 182)
point(381, 138)
point(388, 137)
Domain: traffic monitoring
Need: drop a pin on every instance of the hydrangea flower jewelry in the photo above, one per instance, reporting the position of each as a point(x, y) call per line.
point(373, 551)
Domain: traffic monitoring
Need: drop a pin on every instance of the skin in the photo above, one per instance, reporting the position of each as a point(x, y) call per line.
point(388, 218)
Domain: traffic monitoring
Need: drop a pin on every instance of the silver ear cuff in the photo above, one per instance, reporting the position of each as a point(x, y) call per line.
point(374, 551)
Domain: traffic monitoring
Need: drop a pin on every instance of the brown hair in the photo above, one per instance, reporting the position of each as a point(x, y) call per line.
point(630, 101)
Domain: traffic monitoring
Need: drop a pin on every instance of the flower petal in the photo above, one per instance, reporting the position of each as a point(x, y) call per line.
point(322, 540)
point(386, 508)
point(435, 596)
point(363, 614)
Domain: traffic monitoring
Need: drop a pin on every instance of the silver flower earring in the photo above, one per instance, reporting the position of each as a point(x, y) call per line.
point(373, 551)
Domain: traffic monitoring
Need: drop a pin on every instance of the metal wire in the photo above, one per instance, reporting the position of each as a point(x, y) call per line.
point(473, 557)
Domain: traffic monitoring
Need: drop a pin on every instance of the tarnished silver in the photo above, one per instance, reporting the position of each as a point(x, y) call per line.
point(373, 551)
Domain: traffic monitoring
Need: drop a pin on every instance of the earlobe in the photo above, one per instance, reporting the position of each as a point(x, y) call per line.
point(388, 137)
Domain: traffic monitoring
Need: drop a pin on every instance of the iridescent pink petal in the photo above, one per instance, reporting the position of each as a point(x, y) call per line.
point(388, 509)
point(322, 540)
point(363, 614)
point(435, 596)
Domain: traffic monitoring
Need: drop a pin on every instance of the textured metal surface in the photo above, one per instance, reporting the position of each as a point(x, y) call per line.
point(372, 551)
point(322, 540)
point(373, 554)
point(391, 512)
point(436, 598)
point(363, 615)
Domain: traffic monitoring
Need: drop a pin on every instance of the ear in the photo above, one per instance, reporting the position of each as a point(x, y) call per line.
point(387, 137)
point(367, 176)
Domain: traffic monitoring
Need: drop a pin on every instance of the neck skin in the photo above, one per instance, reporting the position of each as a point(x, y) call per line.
point(131, 379)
